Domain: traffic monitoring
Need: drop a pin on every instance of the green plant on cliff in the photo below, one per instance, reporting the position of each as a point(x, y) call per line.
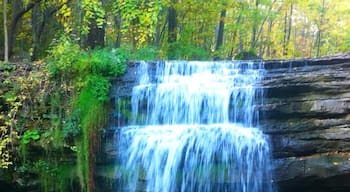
point(30, 135)
point(15, 99)
point(5, 140)
point(8, 133)
point(62, 57)
point(55, 111)
point(84, 77)
point(92, 117)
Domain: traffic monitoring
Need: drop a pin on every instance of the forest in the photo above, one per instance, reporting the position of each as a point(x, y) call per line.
point(58, 57)
point(179, 29)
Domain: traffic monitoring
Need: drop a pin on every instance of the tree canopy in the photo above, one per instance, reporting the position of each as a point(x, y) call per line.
point(218, 28)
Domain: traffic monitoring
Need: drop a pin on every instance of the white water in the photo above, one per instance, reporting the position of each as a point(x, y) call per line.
point(194, 130)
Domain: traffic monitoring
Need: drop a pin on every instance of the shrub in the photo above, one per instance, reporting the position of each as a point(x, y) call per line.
point(71, 127)
point(62, 56)
point(247, 55)
point(180, 50)
point(145, 53)
point(105, 63)
point(30, 135)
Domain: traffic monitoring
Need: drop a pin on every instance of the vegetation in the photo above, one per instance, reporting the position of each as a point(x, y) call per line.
point(56, 109)
point(52, 108)
point(176, 29)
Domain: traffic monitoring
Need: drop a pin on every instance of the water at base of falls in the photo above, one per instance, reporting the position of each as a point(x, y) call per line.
point(195, 129)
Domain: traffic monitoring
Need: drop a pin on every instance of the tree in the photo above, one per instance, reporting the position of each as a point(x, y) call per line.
point(172, 23)
point(272, 28)
point(6, 46)
point(94, 19)
point(287, 29)
point(320, 27)
point(18, 10)
point(172, 29)
point(220, 37)
point(44, 25)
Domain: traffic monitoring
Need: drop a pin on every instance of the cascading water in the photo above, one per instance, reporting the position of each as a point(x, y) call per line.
point(195, 129)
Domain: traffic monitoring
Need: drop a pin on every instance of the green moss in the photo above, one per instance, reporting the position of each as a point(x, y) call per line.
point(93, 116)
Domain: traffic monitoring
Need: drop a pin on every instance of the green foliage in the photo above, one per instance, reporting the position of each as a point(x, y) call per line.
point(247, 55)
point(30, 135)
point(146, 53)
point(69, 60)
point(71, 128)
point(105, 62)
point(122, 54)
point(4, 66)
point(92, 118)
point(93, 11)
point(83, 80)
point(180, 50)
point(49, 171)
point(99, 87)
point(139, 19)
point(62, 56)
point(43, 167)
point(262, 25)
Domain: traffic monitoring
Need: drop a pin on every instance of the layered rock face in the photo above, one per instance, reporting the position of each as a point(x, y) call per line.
point(306, 112)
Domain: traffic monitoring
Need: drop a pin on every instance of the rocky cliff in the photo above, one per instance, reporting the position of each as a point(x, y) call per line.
point(306, 112)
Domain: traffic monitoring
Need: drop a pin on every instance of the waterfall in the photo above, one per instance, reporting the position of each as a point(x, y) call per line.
point(195, 129)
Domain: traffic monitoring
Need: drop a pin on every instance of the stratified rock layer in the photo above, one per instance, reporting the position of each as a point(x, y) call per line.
point(307, 114)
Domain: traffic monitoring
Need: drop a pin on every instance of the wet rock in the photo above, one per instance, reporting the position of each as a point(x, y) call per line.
point(320, 172)
point(306, 113)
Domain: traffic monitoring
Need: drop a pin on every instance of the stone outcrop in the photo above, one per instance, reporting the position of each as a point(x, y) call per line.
point(306, 113)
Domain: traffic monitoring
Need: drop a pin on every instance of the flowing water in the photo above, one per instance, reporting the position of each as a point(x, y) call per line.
point(195, 130)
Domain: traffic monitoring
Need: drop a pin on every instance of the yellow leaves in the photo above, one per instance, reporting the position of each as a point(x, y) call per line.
point(79, 16)
point(66, 11)
point(5, 140)
point(93, 11)
point(23, 91)
point(65, 17)
point(4, 156)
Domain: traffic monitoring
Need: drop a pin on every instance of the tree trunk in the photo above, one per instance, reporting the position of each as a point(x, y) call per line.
point(96, 36)
point(17, 13)
point(6, 52)
point(255, 27)
point(269, 30)
point(319, 33)
point(160, 27)
point(40, 33)
point(118, 23)
point(220, 37)
point(37, 23)
point(261, 30)
point(287, 30)
point(172, 30)
point(172, 24)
